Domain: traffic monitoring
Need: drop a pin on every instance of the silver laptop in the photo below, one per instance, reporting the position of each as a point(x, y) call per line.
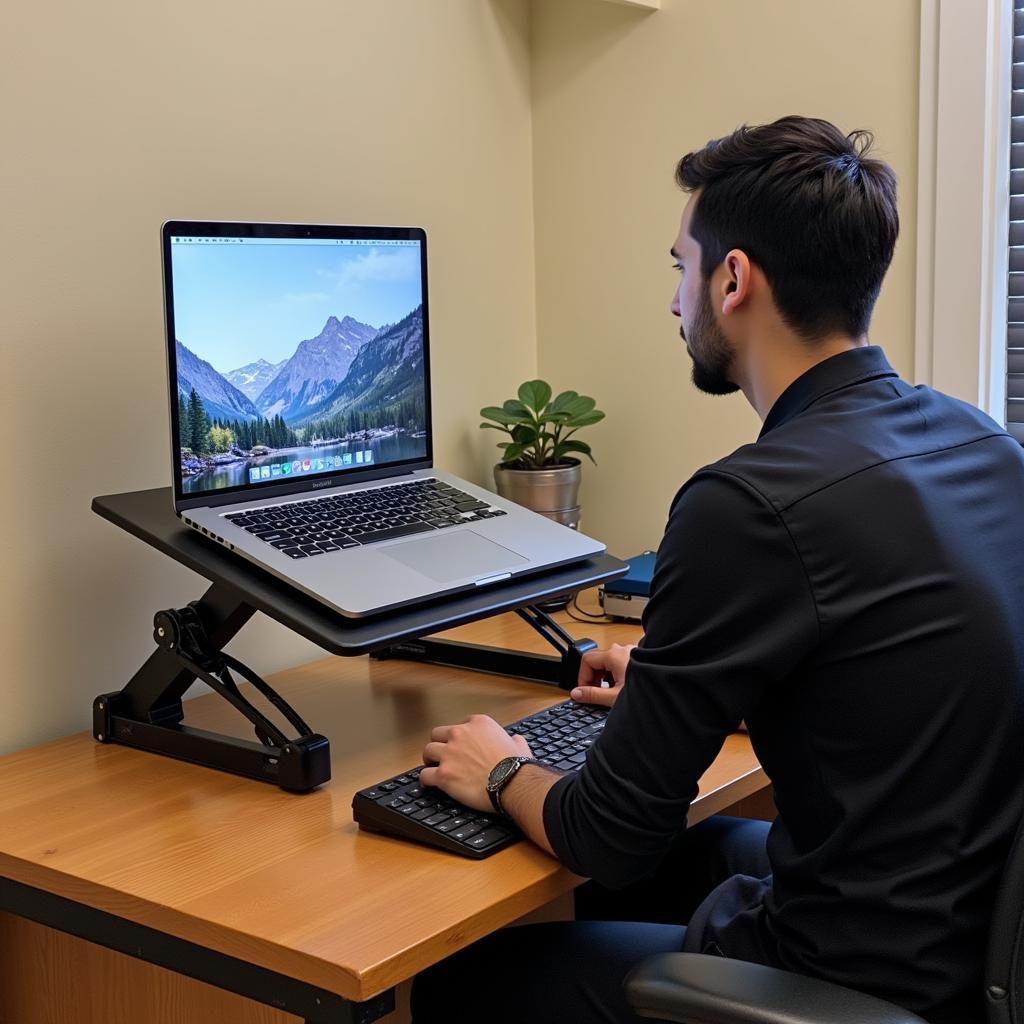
point(299, 370)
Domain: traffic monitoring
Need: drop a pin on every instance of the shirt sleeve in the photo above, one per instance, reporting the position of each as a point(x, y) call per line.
point(731, 612)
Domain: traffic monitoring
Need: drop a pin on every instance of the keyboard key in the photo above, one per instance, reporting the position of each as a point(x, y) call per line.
point(369, 536)
point(484, 839)
point(294, 552)
point(466, 831)
point(451, 824)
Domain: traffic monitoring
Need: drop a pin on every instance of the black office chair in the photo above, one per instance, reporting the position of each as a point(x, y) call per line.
point(694, 989)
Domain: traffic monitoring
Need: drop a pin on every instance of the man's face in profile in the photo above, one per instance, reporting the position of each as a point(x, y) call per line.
point(706, 344)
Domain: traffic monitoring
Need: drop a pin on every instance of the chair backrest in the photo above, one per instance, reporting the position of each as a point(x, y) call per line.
point(1004, 965)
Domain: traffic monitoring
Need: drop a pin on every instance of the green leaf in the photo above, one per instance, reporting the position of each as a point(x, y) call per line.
point(573, 446)
point(494, 426)
point(586, 420)
point(560, 403)
point(513, 452)
point(580, 405)
point(535, 393)
point(524, 434)
point(516, 408)
point(492, 412)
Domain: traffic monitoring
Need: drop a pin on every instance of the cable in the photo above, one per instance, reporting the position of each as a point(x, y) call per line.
point(584, 616)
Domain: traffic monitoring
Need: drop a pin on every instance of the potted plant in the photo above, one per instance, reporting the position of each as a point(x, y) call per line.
point(538, 469)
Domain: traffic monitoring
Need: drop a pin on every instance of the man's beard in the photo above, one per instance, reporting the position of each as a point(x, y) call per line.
point(709, 349)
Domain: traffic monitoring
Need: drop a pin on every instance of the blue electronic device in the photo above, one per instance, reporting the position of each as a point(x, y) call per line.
point(626, 597)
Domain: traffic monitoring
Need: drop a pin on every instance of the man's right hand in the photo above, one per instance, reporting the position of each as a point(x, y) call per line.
point(599, 665)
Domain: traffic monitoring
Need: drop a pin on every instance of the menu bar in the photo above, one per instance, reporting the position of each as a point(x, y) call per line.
point(220, 240)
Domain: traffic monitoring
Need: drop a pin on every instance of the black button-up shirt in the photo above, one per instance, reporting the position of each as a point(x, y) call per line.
point(852, 584)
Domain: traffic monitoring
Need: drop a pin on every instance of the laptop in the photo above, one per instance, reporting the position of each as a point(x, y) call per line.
point(301, 437)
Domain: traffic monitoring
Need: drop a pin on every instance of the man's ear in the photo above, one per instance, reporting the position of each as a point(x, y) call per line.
point(737, 281)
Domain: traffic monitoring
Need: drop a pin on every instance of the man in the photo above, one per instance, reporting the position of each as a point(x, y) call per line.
point(851, 584)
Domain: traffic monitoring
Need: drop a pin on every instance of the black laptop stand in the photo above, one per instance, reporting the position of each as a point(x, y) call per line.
point(148, 713)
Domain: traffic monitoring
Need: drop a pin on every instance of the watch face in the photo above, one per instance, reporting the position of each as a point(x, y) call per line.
point(500, 772)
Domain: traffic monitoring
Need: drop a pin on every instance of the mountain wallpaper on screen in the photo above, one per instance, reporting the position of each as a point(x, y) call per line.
point(351, 376)
point(222, 400)
point(388, 369)
point(254, 377)
point(318, 366)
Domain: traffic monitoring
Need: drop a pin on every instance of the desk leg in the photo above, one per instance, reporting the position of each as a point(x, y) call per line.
point(62, 989)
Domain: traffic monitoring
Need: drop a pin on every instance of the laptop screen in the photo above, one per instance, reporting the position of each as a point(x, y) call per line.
point(295, 353)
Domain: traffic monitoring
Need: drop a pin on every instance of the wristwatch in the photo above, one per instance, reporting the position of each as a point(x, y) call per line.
point(502, 774)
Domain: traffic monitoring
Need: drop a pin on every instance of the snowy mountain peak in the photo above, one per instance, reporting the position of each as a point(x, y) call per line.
point(220, 397)
point(252, 378)
point(315, 369)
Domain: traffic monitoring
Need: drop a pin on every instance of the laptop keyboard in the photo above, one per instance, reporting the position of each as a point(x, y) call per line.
point(559, 736)
point(317, 526)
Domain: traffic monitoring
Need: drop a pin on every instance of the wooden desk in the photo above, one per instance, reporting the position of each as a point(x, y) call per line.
point(283, 882)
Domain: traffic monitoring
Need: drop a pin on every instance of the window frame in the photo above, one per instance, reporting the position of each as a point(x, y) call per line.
point(963, 200)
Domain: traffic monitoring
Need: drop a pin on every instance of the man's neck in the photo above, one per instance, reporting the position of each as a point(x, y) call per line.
point(773, 367)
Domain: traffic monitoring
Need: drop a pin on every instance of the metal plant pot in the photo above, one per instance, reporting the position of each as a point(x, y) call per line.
point(552, 491)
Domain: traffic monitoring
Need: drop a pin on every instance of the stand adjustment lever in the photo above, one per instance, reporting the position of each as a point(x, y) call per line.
point(147, 713)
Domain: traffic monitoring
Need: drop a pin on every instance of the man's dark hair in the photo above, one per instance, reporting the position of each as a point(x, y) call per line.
point(805, 204)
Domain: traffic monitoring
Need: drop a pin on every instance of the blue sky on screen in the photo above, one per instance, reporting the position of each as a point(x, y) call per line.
point(236, 303)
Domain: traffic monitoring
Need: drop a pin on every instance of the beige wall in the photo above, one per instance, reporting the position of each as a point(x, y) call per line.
point(117, 115)
point(619, 95)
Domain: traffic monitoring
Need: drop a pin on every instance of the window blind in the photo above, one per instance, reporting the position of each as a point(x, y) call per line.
point(1015, 291)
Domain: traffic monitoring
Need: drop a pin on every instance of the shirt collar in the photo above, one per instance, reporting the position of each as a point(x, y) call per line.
point(840, 371)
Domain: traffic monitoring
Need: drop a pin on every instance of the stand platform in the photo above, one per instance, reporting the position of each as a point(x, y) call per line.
point(147, 713)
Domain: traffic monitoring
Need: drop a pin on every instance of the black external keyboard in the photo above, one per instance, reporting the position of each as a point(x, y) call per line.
point(559, 736)
point(302, 529)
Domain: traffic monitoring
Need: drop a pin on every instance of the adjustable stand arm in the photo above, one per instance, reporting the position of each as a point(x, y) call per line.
point(147, 713)
point(561, 671)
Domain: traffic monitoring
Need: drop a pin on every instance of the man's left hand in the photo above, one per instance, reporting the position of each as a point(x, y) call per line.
point(464, 756)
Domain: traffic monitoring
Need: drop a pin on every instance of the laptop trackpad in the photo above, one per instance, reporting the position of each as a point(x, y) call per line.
point(453, 556)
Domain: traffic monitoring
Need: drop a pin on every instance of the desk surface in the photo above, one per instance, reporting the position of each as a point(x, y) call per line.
point(284, 881)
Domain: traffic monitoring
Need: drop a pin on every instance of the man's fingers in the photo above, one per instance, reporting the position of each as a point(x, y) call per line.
point(432, 752)
point(593, 665)
point(427, 776)
point(523, 745)
point(440, 733)
point(595, 695)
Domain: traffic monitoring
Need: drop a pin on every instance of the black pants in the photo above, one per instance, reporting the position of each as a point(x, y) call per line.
point(571, 972)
